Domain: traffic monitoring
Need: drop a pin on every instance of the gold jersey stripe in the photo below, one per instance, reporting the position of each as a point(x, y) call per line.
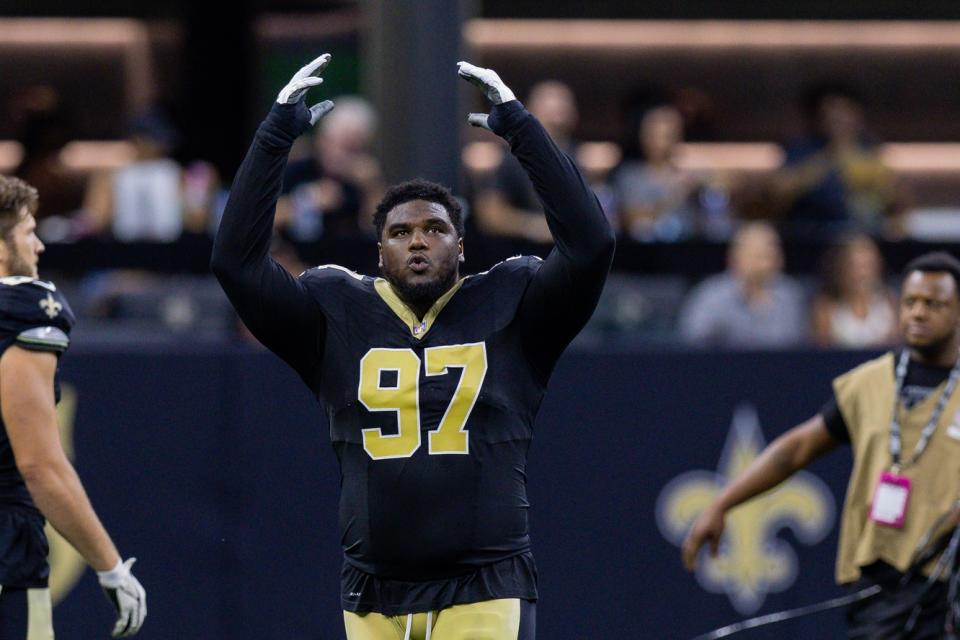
point(418, 328)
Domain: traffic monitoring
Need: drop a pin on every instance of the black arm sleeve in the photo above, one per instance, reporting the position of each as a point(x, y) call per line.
point(273, 304)
point(836, 425)
point(563, 294)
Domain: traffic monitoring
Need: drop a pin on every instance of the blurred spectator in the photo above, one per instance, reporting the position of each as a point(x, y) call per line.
point(855, 308)
point(657, 199)
point(336, 189)
point(510, 206)
point(751, 305)
point(597, 160)
point(44, 131)
point(834, 179)
point(151, 199)
point(204, 198)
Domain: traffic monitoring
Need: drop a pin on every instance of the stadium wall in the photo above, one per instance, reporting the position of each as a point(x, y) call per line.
point(215, 470)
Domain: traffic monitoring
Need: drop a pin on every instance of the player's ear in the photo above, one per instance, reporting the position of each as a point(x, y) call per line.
point(460, 250)
point(379, 255)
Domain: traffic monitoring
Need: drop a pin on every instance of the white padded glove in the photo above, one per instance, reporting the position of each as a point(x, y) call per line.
point(306, 77)
point(492, 86)
point(127, 596)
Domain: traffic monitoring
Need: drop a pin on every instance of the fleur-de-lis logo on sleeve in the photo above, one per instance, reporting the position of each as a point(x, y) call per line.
point(50, 306)
point(752, 561)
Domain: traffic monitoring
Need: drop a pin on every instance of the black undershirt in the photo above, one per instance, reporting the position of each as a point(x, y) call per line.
point(921, 380)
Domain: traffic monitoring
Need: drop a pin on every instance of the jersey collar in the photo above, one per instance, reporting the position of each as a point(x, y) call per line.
point(418, 329)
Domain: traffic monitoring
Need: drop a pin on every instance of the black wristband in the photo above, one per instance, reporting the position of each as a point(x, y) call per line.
point(284, 124)
point(506, 118)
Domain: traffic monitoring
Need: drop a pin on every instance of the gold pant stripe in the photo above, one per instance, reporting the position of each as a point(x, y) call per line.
point(39, 615)
point(488, 620)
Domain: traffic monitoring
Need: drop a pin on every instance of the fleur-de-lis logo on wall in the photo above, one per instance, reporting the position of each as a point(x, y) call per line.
point(752, 561)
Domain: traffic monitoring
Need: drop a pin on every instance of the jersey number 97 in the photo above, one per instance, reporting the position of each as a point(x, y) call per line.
point(403, 398)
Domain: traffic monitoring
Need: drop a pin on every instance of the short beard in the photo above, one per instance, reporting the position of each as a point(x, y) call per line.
point(937, 348)
point(17, 266)
point(422, 296)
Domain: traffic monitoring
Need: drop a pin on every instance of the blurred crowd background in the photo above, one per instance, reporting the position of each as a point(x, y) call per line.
point(768, 170)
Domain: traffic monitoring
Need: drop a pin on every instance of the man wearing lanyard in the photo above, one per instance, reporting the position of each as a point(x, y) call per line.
point(900, 413)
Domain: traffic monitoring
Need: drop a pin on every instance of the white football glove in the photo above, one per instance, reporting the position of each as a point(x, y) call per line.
point(307, 77)
point(492, 86)
point(127, 597)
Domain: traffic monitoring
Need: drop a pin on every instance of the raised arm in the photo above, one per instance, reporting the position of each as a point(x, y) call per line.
point(563, 294)
point(273, 304)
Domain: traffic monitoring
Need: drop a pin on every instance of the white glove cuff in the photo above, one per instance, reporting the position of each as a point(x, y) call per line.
point(113, 578)
point(506, 94)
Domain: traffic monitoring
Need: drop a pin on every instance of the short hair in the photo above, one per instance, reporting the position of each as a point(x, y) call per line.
point(418, 190)
point(935, 261)
point(15, 194)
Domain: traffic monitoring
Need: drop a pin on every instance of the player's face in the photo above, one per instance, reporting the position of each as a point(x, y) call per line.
point(20, 253)
point(420, 251)
point(929, 310)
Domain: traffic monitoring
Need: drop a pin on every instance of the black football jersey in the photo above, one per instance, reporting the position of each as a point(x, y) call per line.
point(430, 418)
point(33, 315)
point(431, 421)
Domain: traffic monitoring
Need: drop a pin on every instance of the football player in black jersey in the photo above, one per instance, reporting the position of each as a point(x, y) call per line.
point(36, 478)
point(430, 381)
